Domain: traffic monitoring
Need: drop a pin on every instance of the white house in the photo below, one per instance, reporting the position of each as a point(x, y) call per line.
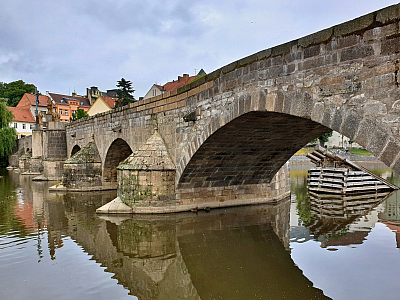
point(23, 121)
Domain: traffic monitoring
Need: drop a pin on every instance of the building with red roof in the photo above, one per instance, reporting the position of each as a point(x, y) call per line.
point(28, 101)
point(23, 121)
point(183, 80)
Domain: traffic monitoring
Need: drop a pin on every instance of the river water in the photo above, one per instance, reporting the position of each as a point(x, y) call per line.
point(54, 246)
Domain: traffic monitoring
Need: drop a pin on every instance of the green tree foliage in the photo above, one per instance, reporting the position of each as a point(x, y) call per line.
point(323, 138)
point(124, 92)
point(8, 135)
point(14, 91)
point(303, 203)
point(80, 113)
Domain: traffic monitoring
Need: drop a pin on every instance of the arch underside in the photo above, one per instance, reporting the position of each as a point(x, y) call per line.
point(118, 151)
point(249, 150)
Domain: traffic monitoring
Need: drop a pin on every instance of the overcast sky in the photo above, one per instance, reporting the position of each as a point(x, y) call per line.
point(62, 45)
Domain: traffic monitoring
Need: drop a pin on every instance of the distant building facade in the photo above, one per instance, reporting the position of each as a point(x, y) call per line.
point(157, 90)
point(102, 104)
point(93, 93)
point(23, 121)
point(67, 105)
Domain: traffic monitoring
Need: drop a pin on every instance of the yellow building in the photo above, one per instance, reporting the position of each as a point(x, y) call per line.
point(102, 104)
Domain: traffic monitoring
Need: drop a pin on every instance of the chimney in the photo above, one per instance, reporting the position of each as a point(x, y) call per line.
point(73, 94)
point(179, 78)
point(185, 75)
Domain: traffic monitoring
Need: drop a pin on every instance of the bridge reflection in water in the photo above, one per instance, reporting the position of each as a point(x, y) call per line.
point(236, 253)
point(227, 254)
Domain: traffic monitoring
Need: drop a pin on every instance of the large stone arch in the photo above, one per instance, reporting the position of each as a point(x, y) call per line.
point(248, 150)
point(117, 152)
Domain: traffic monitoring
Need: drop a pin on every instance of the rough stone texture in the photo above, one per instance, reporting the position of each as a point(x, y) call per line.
point(252, 114)
point(53, 169)
point(55, 141)
point(147, 176)
point(77, 175)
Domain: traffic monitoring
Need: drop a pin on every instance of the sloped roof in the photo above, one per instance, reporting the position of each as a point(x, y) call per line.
point(88, 154)
point(59, 98)
point(152, 155)
point(110, 101)
point(32, 99)
point(176, 84)
point(22, 114)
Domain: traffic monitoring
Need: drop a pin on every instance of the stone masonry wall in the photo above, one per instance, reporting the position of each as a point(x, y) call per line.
point(56, 145)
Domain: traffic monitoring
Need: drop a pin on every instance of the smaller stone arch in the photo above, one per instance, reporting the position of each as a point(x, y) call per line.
point(74, 150)
point(83, 169)
point(118, 151)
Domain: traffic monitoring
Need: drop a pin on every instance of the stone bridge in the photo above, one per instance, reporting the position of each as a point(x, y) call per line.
point(237, 126)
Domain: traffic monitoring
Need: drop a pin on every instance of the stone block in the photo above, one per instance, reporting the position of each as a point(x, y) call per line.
point(312, 51)
point(317, 113)
point(390, 46)
point(377, 141)
point(350, 124)
point(357, 25)
point(388, 14)
point(282, 49)
point(390, 153)
point(356, 52)
point(264, 54)
point(316, 38)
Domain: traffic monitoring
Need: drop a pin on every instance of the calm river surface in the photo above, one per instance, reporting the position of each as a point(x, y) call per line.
point(54, 246)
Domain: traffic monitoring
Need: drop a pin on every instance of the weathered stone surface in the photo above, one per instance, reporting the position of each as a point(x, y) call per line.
point(355, 25)
point(388, 14)
point(88, 154)
point(356, 52)
point(390, 152)
point(316, 38)
point(116, 206)
point(153, 155)
point(147, 176)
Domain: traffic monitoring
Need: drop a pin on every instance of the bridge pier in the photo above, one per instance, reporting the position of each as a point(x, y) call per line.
point(49, 151)
point(147, 176)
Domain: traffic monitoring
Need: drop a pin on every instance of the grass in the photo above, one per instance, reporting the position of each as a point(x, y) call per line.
point(304, 151)
point(357, 151)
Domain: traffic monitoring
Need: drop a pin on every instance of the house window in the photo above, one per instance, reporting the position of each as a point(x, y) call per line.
point(15, 125)
point(31, 126)
point(23, 126)
point(60, 112)
point(66, 112)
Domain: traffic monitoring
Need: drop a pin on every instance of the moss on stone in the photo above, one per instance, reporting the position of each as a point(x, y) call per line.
point(88, 154)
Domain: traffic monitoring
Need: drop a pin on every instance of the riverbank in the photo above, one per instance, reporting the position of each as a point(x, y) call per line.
point(302, 159)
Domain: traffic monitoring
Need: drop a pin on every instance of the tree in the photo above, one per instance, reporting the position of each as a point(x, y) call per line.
point(323, 138)
point(124, 92)
point(14, 91)
point(8, 135)
point(80, 113)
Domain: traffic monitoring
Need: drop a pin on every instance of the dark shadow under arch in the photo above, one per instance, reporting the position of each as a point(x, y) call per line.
point(118, 151)
point(75, 149)
point(248, 150)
